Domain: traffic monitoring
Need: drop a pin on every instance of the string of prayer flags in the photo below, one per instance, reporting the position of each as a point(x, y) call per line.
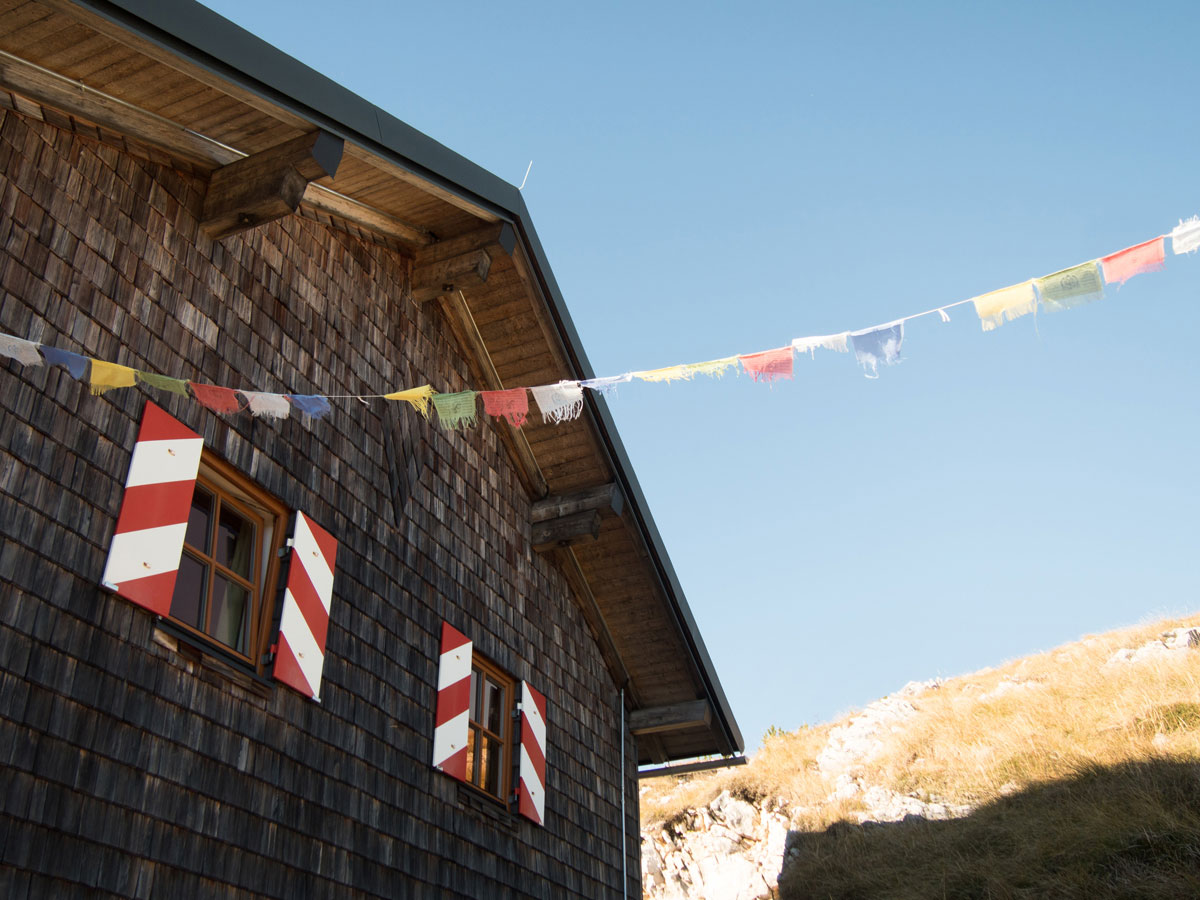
point(267, 406)
point(221, 400)
point(75, 364)
point(105, 376)
point(997, 307)
point(769, 365)
point(314, 406)
point(560, 402)
point(876, 346)
point(512, 405)
point(164, 383)
point(1185, 237)
point(418, 398)
point(836, 342)
point(455, 410)
point(1070, 287)
point(607, 384)
point(23, 351)
point(1148, 257)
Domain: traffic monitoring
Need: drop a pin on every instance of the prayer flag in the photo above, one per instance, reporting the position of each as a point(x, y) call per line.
point(769, 365)
point(267, 406)
point(1148, 257)
point(220, 400)
point(106, 376)
point(418, 398)
point(607, 384)
point(878, 345)
point(1071, 287)
point(997, 307)
point(74, 363)
point(560, 402)
point(1185, 237)
point(835, 342)
point(455, 410)
point(21, 350)
point(667, 373)
point(512, 405)
point(313, 405)
point(714, 368)
point(163, 383)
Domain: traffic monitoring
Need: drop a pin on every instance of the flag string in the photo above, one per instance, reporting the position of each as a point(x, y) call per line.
point(562, 402)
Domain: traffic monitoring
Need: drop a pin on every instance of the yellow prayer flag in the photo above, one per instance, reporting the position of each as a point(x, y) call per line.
point(668, 373)
point(1004, 305)
point(714, 367)
point(106, 375)
point(418, 397)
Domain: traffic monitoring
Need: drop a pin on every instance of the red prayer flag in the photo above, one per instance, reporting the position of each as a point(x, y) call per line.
point(769, 365)
point(512, 405)
point(1148, 257)
point(219, 399)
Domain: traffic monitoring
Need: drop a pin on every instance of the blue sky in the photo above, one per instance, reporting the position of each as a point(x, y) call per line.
point(710, 180)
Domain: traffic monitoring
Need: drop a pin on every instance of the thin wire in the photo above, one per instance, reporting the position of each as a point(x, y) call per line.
point(526, 178)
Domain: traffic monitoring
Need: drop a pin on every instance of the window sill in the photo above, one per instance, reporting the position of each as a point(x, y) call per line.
point(210, 658)
point(485, 805)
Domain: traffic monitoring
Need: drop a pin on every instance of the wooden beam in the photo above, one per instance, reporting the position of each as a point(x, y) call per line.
point(450, 276)
point(44, 88)
point(500, 237)
point(321, 198)
point(267, 185)
point(603, 498)
point(692, 714)
point(76, 99)
point(707, 765)
point(566, 561)
point(462, 324)
point(566, 530)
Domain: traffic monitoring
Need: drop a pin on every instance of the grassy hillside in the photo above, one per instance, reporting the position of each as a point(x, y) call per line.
point(1081, 770)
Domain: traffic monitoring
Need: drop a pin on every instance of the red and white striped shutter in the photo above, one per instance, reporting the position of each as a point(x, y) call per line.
point(531, 800)
point(304, 621)
point(147, 543)
point(453, 704)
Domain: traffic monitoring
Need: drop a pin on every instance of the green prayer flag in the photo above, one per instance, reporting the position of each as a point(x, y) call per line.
point(455, 410)
point(1071, 287)
point(163, 383)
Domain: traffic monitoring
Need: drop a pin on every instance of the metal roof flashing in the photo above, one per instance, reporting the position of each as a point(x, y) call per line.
point(212, 42)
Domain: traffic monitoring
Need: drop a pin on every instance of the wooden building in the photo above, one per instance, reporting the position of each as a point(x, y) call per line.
point(357, 655)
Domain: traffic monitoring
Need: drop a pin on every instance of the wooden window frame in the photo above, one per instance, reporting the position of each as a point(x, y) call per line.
point(270, 516)
point(476, 729)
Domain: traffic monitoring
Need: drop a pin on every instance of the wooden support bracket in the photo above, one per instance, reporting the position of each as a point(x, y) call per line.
point(267, 185)
point(449, 276)
point(603, 498)
point(692, 714)
point(566, 530)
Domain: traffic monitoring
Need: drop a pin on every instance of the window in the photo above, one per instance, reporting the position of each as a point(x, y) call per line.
point(225, 586)
point(489, 718)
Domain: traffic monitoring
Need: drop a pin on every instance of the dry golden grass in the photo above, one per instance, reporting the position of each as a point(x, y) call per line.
point(1024, 732)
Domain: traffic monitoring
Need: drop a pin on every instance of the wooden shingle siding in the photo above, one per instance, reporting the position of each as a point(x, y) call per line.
point(130, 769)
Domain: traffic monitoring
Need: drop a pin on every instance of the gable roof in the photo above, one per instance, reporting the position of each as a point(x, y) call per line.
point(175, 78)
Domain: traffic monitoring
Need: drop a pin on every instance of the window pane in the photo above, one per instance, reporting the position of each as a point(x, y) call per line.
point(476, 678)
point(494, 707)
point(187, 603)
point(235, 542)
point(199, 527)
point(489, 765)
point(231, 603)
point(472, 774)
